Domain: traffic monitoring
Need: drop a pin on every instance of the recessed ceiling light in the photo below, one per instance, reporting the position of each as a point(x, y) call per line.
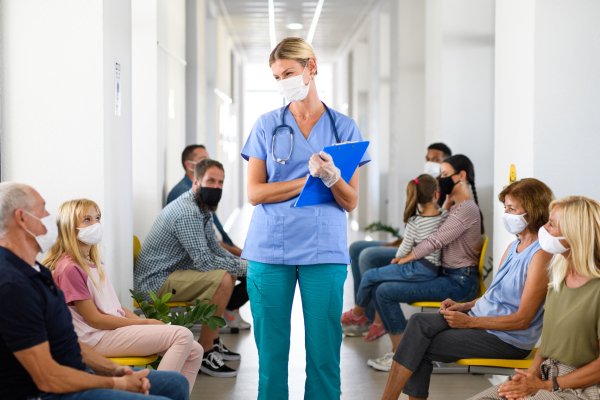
point(315, 21)
point(294, 26)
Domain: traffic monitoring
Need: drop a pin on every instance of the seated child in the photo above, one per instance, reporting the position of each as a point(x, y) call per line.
point(99, 319)
point(422, 218)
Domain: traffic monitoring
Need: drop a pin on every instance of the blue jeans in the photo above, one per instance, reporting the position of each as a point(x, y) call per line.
point(411, 272)
point(460, 285)
point(366, 255)
point(271, 288)
point(164, 385)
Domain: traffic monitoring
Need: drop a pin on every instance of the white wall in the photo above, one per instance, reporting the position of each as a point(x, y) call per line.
point(159, 105)
point(407, 103)
point(514, 92)
point(148, 165)
point(118, 196)
point(567, 96)
point(460, 88)
point(59, 131)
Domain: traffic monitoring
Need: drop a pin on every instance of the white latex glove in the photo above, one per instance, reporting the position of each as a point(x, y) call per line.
point(321, 166)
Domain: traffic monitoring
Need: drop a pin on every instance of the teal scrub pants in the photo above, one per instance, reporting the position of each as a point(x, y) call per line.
point(271, 289)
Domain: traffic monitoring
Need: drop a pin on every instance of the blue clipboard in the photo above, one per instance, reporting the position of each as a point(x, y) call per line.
point(346, 157)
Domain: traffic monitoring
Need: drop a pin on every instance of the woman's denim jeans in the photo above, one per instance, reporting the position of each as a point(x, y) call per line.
point(461, 284)
point(367, 255)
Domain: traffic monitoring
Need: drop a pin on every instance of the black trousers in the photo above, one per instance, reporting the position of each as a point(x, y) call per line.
point(239, 296)
point(428, 337)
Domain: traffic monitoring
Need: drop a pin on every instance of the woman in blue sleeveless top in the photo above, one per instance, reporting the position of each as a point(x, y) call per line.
point(506, 322)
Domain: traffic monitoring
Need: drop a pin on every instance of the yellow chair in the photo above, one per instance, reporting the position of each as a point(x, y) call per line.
point(482, 289)
point(137, 246)
point(134, 361)
point(496, 366)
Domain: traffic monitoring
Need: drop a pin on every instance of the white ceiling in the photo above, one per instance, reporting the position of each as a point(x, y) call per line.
point(250, 19)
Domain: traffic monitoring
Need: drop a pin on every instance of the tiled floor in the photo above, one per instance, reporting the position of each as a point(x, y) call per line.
point(359, 381)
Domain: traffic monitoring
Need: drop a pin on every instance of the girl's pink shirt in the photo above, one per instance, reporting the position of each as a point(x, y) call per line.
point(76, 285)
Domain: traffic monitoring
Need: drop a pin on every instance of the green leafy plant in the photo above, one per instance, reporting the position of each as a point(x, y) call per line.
point(202, 311)
point(378, 226)
point(487, 270)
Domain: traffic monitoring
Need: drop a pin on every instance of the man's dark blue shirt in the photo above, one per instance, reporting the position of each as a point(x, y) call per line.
point(33, 312)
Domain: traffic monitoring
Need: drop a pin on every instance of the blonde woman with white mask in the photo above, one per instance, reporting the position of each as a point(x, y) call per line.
point(567, 364)
point(98, 317)
point(286, 245)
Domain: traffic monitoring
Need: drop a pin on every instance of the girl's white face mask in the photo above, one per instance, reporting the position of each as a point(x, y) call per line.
point(91, 234)
point(514, 224)
point(294, 89)
point(550, 244)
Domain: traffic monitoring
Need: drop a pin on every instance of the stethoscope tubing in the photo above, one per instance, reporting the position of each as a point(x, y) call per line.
point(283, 125)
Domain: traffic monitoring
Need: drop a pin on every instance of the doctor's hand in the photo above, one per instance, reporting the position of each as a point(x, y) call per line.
point(321, 166)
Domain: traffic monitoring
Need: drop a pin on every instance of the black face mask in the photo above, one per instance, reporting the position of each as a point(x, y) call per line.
point(211, 196)
point(446, 184)
point(208, 198)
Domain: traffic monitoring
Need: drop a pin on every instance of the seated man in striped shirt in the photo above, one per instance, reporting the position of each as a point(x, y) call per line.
point(182, 256)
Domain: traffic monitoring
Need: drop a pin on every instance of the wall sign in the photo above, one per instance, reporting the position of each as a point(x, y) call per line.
point(117, 87)
point(512, 177)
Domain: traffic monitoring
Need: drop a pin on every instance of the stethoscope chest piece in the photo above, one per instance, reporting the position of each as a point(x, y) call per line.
point(288, 128)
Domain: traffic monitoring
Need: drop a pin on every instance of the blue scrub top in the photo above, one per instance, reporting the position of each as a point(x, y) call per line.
point(280, 233)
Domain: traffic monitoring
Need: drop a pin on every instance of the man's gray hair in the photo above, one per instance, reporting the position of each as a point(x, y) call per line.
point(13, 195)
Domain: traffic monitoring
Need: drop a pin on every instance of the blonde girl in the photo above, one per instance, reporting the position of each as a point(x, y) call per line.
point(99, 319)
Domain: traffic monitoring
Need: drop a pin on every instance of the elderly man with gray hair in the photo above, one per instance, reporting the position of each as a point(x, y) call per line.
point(40, 356)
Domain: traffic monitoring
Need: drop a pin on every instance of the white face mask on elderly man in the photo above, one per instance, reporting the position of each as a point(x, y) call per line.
point(294, 89)
point(48, 239)
point(432, 168)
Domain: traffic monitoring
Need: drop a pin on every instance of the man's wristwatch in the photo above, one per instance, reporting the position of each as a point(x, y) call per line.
point(555, 387)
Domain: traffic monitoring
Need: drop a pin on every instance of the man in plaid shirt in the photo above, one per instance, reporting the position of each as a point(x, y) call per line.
point(182, 256)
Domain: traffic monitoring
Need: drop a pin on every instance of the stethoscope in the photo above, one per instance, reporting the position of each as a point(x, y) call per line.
point(289, 128)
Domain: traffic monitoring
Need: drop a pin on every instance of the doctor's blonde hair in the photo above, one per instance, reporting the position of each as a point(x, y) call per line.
point(67, 243)
point(579, 224)
point(293, 48)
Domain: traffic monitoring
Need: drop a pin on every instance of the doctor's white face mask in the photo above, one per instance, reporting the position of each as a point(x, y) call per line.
point(294, 89)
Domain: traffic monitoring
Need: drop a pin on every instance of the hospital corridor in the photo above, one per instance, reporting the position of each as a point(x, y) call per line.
point(315, 199)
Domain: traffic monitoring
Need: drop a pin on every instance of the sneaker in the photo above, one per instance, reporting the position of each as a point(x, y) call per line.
point(213, 365)
point(234, 320)
point(355, 330)
point(348, 318)
point(382, 364)
point(224, 352)
point(375, 332)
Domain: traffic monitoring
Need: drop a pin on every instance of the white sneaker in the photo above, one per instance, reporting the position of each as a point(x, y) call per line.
point(355, 330)
point(234, 319)
point(382, 364)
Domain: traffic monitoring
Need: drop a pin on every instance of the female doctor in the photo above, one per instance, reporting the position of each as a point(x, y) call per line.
point(286, 244)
